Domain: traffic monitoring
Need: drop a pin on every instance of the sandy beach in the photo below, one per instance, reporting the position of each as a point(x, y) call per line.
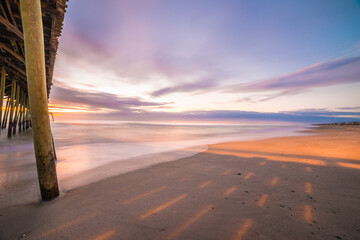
point(299, 187)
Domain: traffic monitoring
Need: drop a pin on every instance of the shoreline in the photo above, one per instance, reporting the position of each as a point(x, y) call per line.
point(300, 150)
point(78, 163)
point(254, 187)
point(142, 161)
point(128, 165)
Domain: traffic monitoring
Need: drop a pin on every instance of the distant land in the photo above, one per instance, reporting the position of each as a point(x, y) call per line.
point(339, 123)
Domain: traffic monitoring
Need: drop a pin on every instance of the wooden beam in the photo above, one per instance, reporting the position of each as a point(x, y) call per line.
point(13, 43)
point(17, 56)
point(58, 12)
point(21, 44)
point(12, 71)
point(12, 74)
point(9, 35)
point(13, 66)
point(3, 11)
point(11, 15)
point(11, 27)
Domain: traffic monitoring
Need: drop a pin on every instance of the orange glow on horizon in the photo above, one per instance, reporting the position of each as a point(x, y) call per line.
point(61, 106)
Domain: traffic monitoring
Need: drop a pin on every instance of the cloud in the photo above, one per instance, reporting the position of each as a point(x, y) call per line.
point(132, 56)
point(186, 87)
point(304, 116)
point(137, 109)
point(142, 48)
point(322, 112)
point(101, 100)
point(318, 75)
point(349, 108)
point(267, 97)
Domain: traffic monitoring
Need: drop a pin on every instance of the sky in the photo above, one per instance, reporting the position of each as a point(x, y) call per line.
point(220, 60)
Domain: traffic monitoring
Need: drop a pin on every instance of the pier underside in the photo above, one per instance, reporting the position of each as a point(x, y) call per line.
point(29, 32)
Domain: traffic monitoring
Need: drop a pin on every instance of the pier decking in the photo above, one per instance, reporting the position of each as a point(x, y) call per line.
point(12, 58)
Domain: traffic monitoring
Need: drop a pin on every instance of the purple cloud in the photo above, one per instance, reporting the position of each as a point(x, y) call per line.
point(101, 100)
point(350, 108)
point(322, 112)
point(187, 87)
point(267, 97)
point(318, 75)
point(302, 116)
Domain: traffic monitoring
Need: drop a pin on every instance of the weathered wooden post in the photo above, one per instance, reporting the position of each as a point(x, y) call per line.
point(13, 89)
point(17, 106)
point(21, 124)
point(36, 81)
point(27, 113)
point(21, 109)
point(4, 121)
point(25, 110)
point(2, 89)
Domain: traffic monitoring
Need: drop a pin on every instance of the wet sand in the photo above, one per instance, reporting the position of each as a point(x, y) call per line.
point(303, 187)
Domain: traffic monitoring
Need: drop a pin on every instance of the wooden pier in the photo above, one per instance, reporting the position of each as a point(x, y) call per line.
point(29, 32)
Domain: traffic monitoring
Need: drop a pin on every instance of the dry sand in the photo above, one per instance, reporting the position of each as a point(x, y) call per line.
point(304, 187)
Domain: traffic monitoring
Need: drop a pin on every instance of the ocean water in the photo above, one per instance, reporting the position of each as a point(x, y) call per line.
point(88, 151)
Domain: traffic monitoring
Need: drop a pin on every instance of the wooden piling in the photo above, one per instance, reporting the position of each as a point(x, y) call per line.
point(36, 82)
point(12, 97)
point(23, 113)
point(2, 91)
point(6, 114)
point(27, 113)
point(21, 110)
point(16, 115)
point(25, 109)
